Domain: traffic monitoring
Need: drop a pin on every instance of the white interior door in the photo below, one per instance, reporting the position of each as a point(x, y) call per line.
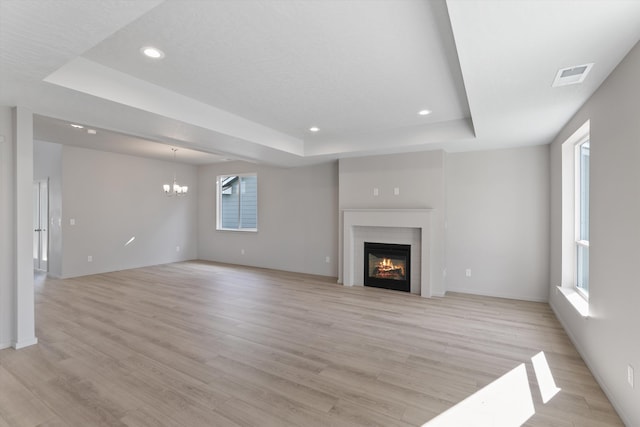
point(40, 224)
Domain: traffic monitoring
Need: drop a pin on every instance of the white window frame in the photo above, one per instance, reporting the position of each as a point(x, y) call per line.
point(570, 200)
point(219, 193)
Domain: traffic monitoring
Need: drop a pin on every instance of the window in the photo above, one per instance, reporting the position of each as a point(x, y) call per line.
point(237, 207)
point(575, 218)
point(582, 217)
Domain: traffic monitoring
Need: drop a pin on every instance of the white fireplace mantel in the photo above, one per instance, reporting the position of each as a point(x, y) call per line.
point(389, 218)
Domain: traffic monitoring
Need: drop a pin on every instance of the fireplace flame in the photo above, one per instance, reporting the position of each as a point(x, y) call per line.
point(386, 265)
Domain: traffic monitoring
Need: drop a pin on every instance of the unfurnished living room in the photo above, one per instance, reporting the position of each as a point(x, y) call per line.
point(319, 213)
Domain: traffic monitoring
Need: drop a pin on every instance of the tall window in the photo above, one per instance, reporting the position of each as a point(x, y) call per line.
point(575, 218)
point(237, 207)
point(582, 217)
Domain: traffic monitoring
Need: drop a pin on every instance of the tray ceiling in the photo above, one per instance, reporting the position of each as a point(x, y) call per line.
point(246, 80)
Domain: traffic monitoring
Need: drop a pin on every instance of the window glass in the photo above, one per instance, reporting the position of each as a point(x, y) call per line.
point(584, 191)
point(582, 216)
point(238, 202)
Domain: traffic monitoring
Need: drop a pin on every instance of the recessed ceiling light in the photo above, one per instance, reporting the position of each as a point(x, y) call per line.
point(92, 131)
point(73, 125)
point(424, 112)
point(314, 129)
point(152, 52)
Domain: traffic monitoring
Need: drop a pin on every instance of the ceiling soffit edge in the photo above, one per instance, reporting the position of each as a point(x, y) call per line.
point(97, 80)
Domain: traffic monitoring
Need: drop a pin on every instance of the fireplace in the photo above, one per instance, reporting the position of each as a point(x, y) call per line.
point(387, 266)
point(407, 226)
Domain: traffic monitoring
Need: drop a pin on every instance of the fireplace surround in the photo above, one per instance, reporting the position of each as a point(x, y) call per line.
point(413, 226)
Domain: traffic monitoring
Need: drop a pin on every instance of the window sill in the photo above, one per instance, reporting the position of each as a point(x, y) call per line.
point(576, 300)
point(250, 230)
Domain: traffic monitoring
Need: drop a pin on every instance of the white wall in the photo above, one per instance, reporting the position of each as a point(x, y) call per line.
point(114, 197)
point(420, 178)
point(7, 258)
point(609, 340)
point(498, 223)
point(23, 228)
point(17, 321)
point(47, 164)
point(297, 219)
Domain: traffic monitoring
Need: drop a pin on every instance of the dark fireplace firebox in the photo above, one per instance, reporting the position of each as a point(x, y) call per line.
point(387, 266)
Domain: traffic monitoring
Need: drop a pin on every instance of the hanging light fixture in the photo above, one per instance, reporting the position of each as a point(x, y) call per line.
point(175, 189)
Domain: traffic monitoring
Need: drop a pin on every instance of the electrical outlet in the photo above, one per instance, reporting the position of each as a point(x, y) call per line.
point(396, 191)
point(376, 192)
point(630, 375)
point(90, 258)
point(241, 251)
point(327, 259)
point(72, 221)
point(468, 272)
point(177, 248)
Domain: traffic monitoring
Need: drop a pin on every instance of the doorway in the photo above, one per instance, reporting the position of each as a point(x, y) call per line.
point(40, 224)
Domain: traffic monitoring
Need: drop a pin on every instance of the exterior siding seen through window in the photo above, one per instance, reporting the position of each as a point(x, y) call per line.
point(238, 202)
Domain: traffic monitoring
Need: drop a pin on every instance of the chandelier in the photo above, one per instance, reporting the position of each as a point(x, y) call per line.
point(175, 189)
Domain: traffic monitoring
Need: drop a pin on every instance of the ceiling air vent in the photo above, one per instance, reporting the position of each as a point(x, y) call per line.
point(572, 75)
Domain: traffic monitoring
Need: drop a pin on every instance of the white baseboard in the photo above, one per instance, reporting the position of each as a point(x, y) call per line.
point(25, 343)
point(587, 362)
point(499, 295)
point(4, 345)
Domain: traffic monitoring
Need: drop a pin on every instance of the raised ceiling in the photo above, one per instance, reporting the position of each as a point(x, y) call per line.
point(247, 79)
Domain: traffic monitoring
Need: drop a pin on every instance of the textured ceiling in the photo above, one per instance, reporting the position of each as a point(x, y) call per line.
point(246, 79)
point(61, 132)
point(290, 65)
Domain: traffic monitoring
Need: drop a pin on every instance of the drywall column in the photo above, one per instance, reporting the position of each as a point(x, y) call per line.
point(7, 258)
point(23, 237)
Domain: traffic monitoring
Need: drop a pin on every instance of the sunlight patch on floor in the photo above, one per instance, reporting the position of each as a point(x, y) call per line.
point(506, 402)
point(547, 384)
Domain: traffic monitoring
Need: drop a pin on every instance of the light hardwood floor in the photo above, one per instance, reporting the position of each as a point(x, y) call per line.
point(204, 344)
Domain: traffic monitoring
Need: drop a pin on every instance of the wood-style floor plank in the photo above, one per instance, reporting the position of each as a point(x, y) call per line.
point(203, 344)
